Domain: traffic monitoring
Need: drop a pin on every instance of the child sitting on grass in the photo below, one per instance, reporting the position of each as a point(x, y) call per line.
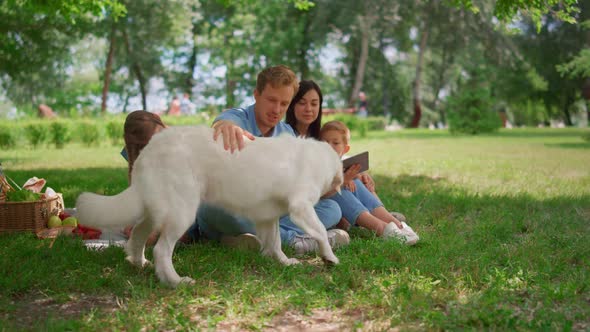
point(139, 128)
point(359, 205)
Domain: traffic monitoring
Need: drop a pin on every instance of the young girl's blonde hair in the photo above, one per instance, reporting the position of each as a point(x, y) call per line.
point(338, 126)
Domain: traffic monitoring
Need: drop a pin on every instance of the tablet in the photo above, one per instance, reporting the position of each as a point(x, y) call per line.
point(361, 159)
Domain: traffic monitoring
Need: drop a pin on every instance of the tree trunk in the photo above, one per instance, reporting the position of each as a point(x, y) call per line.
point(126, 103)
point(136, 70)
point(447, 60)
point(142, 86)
point(364, 26)
point(566, 110)
point(192, 61)
point(418, 79)
point(385, 99)
point(230, 83)
point(33, 99)
point(107, 70)
point(303, 48)
point(586, 94)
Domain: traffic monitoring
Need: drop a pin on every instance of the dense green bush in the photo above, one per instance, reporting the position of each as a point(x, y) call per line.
point(114, 130)
point(7, 137)
point(353, 123)
point(376, 122)
point(37, 133)
point(59, 134)
point(197, 119)
point(529, 113)
point(89, 133)
point(356, 125)
point(471, 111)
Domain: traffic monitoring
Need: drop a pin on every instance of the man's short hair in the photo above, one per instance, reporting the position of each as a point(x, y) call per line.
point(338, 126)
point(277, 76)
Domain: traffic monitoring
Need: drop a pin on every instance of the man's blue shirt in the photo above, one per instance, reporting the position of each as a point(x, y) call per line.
point(246, 119)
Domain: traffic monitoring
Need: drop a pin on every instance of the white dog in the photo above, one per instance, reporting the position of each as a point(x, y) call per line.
point(182, 167)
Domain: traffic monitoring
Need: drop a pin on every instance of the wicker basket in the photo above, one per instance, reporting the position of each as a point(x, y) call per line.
point(28, 216)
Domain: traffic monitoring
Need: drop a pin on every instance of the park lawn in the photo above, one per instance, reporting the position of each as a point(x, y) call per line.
point(503, 218)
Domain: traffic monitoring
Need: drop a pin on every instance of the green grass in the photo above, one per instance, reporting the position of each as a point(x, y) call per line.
point(504, 222)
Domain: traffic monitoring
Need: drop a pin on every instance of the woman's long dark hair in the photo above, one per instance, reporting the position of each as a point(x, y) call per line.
point(314, 127)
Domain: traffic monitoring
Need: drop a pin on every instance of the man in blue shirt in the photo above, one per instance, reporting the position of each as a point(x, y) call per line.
point(275, 87)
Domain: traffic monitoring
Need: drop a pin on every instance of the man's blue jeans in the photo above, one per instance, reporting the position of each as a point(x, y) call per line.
point(214, 222)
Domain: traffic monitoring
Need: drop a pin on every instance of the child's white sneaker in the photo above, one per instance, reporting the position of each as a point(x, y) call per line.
point(411, 236)
point(405, 235)
point(392, 231)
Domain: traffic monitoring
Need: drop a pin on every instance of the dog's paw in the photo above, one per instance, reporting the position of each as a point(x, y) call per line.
point(141, 263)
point(187, 281)
point(179, 282)
point(291, 261)
point(331, 261)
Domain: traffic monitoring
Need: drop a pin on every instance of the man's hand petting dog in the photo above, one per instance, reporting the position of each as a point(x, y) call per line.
point(233, 136)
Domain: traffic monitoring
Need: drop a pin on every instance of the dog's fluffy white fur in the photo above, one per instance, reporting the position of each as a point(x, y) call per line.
point(182, 167)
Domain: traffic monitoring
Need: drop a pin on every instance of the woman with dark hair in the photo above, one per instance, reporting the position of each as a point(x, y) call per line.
point(139, 128)
point(304, 114)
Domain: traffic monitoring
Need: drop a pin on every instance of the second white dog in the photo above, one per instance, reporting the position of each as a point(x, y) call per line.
point(182, 167)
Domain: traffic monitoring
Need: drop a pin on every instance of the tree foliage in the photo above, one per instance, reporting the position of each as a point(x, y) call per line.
point(579, 66)
point(404, 54)
point(35, 41)
point(564, 10)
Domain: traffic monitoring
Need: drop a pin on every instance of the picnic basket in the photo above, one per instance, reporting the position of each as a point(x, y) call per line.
point(28, 216)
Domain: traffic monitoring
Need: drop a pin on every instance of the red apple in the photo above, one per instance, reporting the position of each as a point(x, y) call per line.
point(63, 215)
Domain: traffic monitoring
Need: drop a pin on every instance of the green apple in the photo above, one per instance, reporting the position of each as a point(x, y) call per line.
point(53, 222)
point(70, 221)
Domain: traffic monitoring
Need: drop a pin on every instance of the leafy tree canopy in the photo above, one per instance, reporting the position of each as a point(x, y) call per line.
point(564, 10)
point(71, 9)
point(578, 67)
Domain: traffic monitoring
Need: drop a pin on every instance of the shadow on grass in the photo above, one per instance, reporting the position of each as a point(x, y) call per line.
point(451, 221)
point(487, 240)
point(569, 145)
point(507, 133)
point(478, 255)
point(540, 132)
point(434, 194)
point(473, 233)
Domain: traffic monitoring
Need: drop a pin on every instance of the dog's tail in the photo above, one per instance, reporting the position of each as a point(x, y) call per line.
point(100, 211)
